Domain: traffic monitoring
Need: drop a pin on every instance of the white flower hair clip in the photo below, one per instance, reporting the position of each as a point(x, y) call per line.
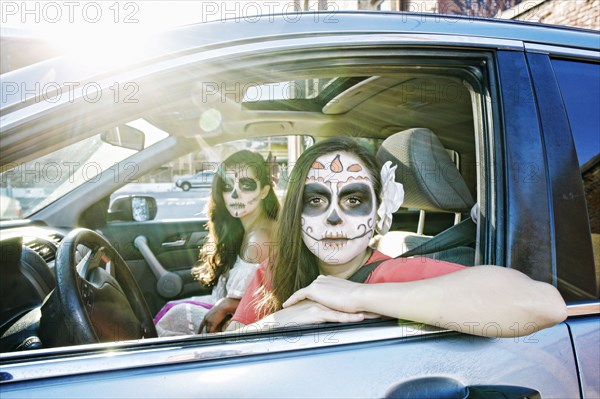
point(392, 196)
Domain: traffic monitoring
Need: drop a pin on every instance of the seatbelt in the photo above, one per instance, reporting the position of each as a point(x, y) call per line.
point(361, 275)
point(460, 234)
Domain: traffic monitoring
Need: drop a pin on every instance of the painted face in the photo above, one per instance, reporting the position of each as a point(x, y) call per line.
point(241, 191)
point(338, 216)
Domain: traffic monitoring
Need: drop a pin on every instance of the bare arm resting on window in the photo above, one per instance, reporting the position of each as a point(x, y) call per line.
point(483, 300)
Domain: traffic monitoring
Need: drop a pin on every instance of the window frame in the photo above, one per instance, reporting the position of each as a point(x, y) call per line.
point(572, 235)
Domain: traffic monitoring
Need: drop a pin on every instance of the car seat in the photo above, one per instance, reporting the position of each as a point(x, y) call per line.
point(431, 182)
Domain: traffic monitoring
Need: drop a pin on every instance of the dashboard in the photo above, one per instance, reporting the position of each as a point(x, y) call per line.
point(27, 277)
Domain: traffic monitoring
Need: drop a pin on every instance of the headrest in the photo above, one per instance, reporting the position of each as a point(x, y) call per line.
point(431, 180)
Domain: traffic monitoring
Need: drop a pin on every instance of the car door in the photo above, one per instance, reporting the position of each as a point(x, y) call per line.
point(380, 360)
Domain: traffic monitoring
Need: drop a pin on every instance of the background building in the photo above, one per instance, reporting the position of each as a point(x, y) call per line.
point(576, 13)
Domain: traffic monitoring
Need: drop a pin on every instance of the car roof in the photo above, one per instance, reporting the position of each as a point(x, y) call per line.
point(211, 34)
point(254, 34)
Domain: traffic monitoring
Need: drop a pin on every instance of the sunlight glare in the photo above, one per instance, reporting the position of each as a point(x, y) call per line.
point(105, 46)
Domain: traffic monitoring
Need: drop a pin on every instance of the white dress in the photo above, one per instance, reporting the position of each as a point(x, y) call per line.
point(185, 315)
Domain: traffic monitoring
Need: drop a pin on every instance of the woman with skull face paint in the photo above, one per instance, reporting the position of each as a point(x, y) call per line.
point(242, 212)
point(332, 209)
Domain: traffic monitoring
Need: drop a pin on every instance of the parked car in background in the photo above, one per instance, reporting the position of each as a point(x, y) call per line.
point(511, 108)
point(199, 180)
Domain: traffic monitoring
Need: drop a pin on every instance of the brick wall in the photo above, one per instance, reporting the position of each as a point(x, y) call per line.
point(475, 8)
point(576, 13)
point(591, 184)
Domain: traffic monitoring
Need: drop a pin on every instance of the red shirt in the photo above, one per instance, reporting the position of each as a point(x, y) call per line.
point(397, 270)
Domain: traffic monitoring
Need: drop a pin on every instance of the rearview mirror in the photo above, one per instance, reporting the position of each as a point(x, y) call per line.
point(125, 136)
point(132, 208)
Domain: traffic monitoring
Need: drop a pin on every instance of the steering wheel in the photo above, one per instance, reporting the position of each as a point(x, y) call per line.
point(100, 300)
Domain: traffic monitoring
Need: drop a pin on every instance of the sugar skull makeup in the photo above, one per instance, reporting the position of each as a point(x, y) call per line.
point(338, 215)
point(241, 192)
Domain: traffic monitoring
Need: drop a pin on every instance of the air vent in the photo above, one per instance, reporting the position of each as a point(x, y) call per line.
point(56, 238)
point(46, 249)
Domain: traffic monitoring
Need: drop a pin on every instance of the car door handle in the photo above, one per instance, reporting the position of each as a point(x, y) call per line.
point(502, 392)
point(176, 243)
point(448, 388)
point(168, 284)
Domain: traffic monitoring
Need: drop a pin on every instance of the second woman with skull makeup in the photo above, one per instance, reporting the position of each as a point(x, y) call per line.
point(242, 211)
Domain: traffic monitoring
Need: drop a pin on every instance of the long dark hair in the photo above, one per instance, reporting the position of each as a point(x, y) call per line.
point(294, 267)
point(225, 232)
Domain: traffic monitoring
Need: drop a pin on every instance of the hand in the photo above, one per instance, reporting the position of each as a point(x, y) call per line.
point(308, 312)
point(332, 292)
point(218, 316)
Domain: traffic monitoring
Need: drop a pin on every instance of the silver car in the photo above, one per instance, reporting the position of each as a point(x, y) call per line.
point(513, 106)
point(199, 180)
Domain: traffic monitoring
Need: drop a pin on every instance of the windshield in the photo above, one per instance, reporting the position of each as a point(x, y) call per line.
point(32, 185)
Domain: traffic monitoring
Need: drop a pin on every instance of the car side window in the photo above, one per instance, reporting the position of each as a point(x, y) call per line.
point(182, 186)
point(579, 83)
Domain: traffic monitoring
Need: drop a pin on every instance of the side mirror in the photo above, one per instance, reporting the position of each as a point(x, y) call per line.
point(132, 208)
point(125, 136)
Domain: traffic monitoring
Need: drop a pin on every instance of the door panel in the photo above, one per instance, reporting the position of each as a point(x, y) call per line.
point(333, 363)
point(161, 236)
point(175, 243)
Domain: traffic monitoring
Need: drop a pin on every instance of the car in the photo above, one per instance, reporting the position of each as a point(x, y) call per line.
point(199, 180)
point(509, 107)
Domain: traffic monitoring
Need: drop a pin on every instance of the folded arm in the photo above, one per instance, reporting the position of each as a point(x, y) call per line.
point(303, 312)
point(482, 300)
